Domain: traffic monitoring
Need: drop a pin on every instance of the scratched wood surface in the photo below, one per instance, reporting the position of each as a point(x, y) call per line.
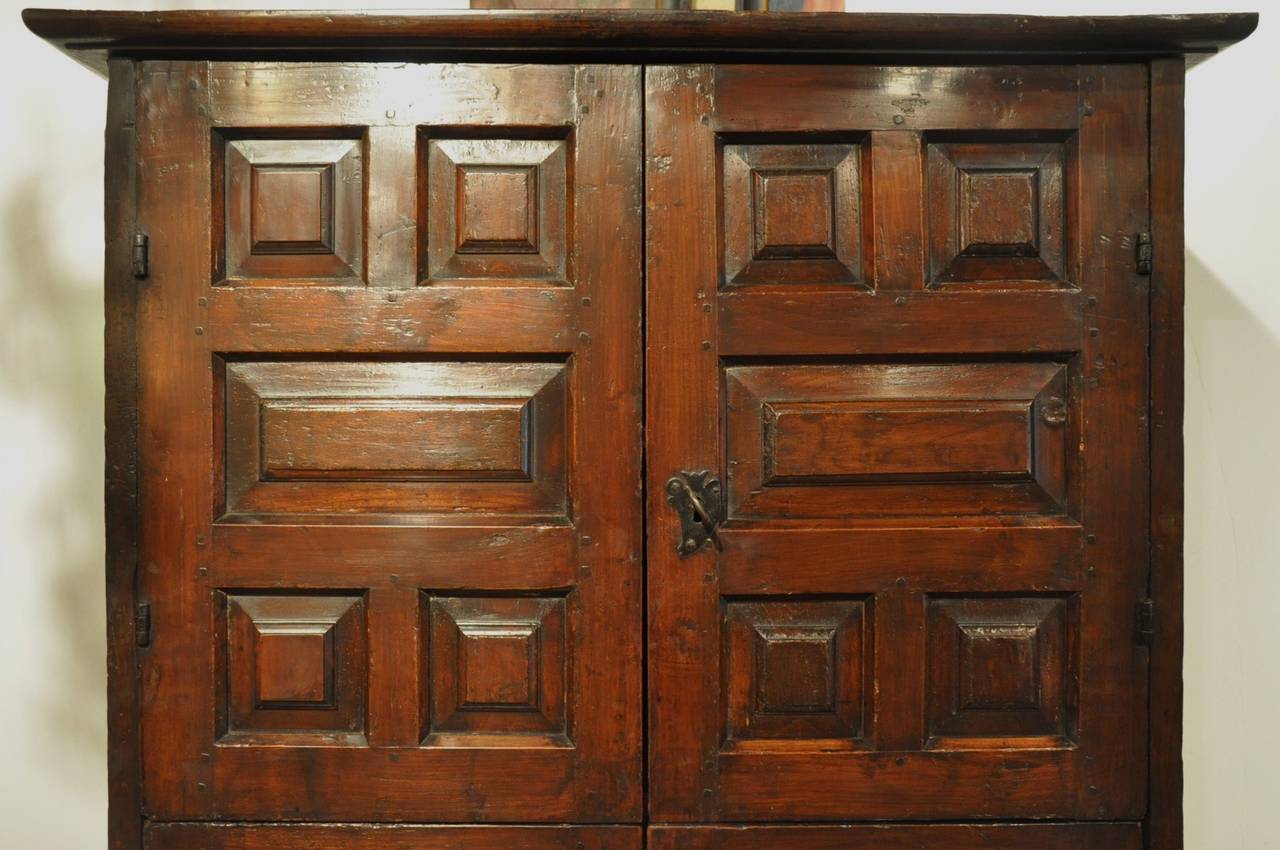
point(376, 423)
point(838, 658)
point(388, 580)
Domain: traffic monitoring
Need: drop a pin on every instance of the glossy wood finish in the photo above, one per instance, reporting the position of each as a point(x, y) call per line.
point(853, 444)
point(392, 587)
point(374, 427)
point(626, 36)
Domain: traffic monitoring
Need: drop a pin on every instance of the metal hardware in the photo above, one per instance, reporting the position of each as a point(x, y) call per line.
point(1145, 251)
point(698, 498)
point(142, 623)
point(1054, 411)
point(141, 255)
point(1146, 621)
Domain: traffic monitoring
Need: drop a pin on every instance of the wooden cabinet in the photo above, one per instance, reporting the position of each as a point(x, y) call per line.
point(587, 429)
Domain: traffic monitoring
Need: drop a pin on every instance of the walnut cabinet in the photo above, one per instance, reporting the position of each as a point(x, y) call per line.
point(591, 429)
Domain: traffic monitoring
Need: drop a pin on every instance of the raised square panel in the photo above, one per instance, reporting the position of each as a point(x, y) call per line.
point(496, 211)
point(381, 437)
point(904, 439)
point(499, 210)
point(293, 209)
point(293, 665)
point(792, 214)
point(495, 665)
point(1001, 669)
point(795, 670)
point(997, 212)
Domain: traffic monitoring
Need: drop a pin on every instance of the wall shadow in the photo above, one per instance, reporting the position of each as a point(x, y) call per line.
point(51, 365)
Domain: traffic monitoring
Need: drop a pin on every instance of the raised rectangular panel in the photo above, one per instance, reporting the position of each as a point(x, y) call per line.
point(903, 439)
point(496, 210)
point(379, 437)
point(1002, 671)
point(853, 440)
point(293, 209)
point(998, 212)
point(792, 214)
point(291, 665)
point(495, 666)
point(396, 439)
point(796, 671)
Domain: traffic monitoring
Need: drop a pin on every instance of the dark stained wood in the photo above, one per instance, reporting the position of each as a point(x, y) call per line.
point(1041, 552)
point(897, 243)
point(294, 209)
point(294, 666)
point(998, 212)
point(682, 432)
point(1001, 672)
point(796, 670)
point(856, 440)
point(175, 405)
point(827, 432)
point(123, 567)
point(186, 836)
point(496, 211)
point(496, 665)
point(361, 437)
point(1110, 836)
point(357, 542)
point(773, 323)
point(92, 36)
point(792, 214)
point(1113, 186)
point(376, 422)
point(1164, 818)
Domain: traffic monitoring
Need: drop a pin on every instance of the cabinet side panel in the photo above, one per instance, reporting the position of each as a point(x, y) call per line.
point(124, 823)
point(1164, 820)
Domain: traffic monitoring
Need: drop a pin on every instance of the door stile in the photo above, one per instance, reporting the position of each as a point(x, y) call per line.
point(175, 407)
point(682, 431)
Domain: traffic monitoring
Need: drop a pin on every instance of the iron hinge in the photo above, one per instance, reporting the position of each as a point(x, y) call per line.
point(1146, 621)
point(142, 623)
point(141, 255)
point(1144, 253)
point(698, 499)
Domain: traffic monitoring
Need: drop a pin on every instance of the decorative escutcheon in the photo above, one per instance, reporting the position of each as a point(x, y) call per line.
point(698, 498)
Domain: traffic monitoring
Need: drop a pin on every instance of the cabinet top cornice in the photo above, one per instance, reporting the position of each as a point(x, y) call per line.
point(630, 36)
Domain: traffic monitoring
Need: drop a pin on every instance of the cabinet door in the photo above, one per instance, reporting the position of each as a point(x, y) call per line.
point(390, 460)
point(896, 313)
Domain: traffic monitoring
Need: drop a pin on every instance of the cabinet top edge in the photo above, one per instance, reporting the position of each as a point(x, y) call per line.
point(633, 36)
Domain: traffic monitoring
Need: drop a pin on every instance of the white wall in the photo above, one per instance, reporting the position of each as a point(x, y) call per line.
point(52, 755)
